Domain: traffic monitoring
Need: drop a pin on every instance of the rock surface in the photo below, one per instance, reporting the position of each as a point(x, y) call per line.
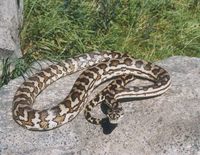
point(168, 124)
point(10, 21)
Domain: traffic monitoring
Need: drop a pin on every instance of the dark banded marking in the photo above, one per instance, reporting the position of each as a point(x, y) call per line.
point(59, 119)
point(114, 63)
point(29, 84)
point(102, 66)
point(84, 80)
point(27, 90)
point(128, 61)
point(79, 86)
point(55, 67)
point(139, 63)
point(76, 99)
point(24, 96)
point(34, 78)
point(75, 95)
point(55, 110)
point(148, 66)
point(94, 69)
point(42, 116)
point(88, 74)
point(21, 102)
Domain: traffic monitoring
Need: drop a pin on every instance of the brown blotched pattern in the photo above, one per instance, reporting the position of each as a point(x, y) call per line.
point(101, 66)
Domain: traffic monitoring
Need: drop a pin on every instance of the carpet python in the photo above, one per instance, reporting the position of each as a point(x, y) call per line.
point(97, 67)
point(115, 111)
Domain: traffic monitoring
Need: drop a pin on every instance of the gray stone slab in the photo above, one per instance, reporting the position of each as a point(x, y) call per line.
point(168, 124)
point(10, 22)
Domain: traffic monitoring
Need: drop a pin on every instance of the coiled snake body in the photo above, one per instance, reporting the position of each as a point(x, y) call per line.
point(99, 67)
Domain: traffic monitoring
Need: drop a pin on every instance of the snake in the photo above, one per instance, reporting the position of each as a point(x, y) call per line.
point(115, 111)
point(97, 67)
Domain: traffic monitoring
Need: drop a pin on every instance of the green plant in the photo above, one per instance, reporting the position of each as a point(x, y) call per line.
point(150, 30)
point(5, 77)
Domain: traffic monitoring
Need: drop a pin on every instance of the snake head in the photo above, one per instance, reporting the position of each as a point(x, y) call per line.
point(115, 115)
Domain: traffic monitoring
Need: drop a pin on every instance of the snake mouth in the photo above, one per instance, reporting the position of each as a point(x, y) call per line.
point(115, 121)
point(115, 118)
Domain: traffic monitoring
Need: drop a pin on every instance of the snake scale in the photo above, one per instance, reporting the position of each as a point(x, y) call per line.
point(97, 67)
point(115, 111)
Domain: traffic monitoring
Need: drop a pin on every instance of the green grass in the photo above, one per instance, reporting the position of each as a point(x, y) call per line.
point(152, 29)
point(147, 29)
